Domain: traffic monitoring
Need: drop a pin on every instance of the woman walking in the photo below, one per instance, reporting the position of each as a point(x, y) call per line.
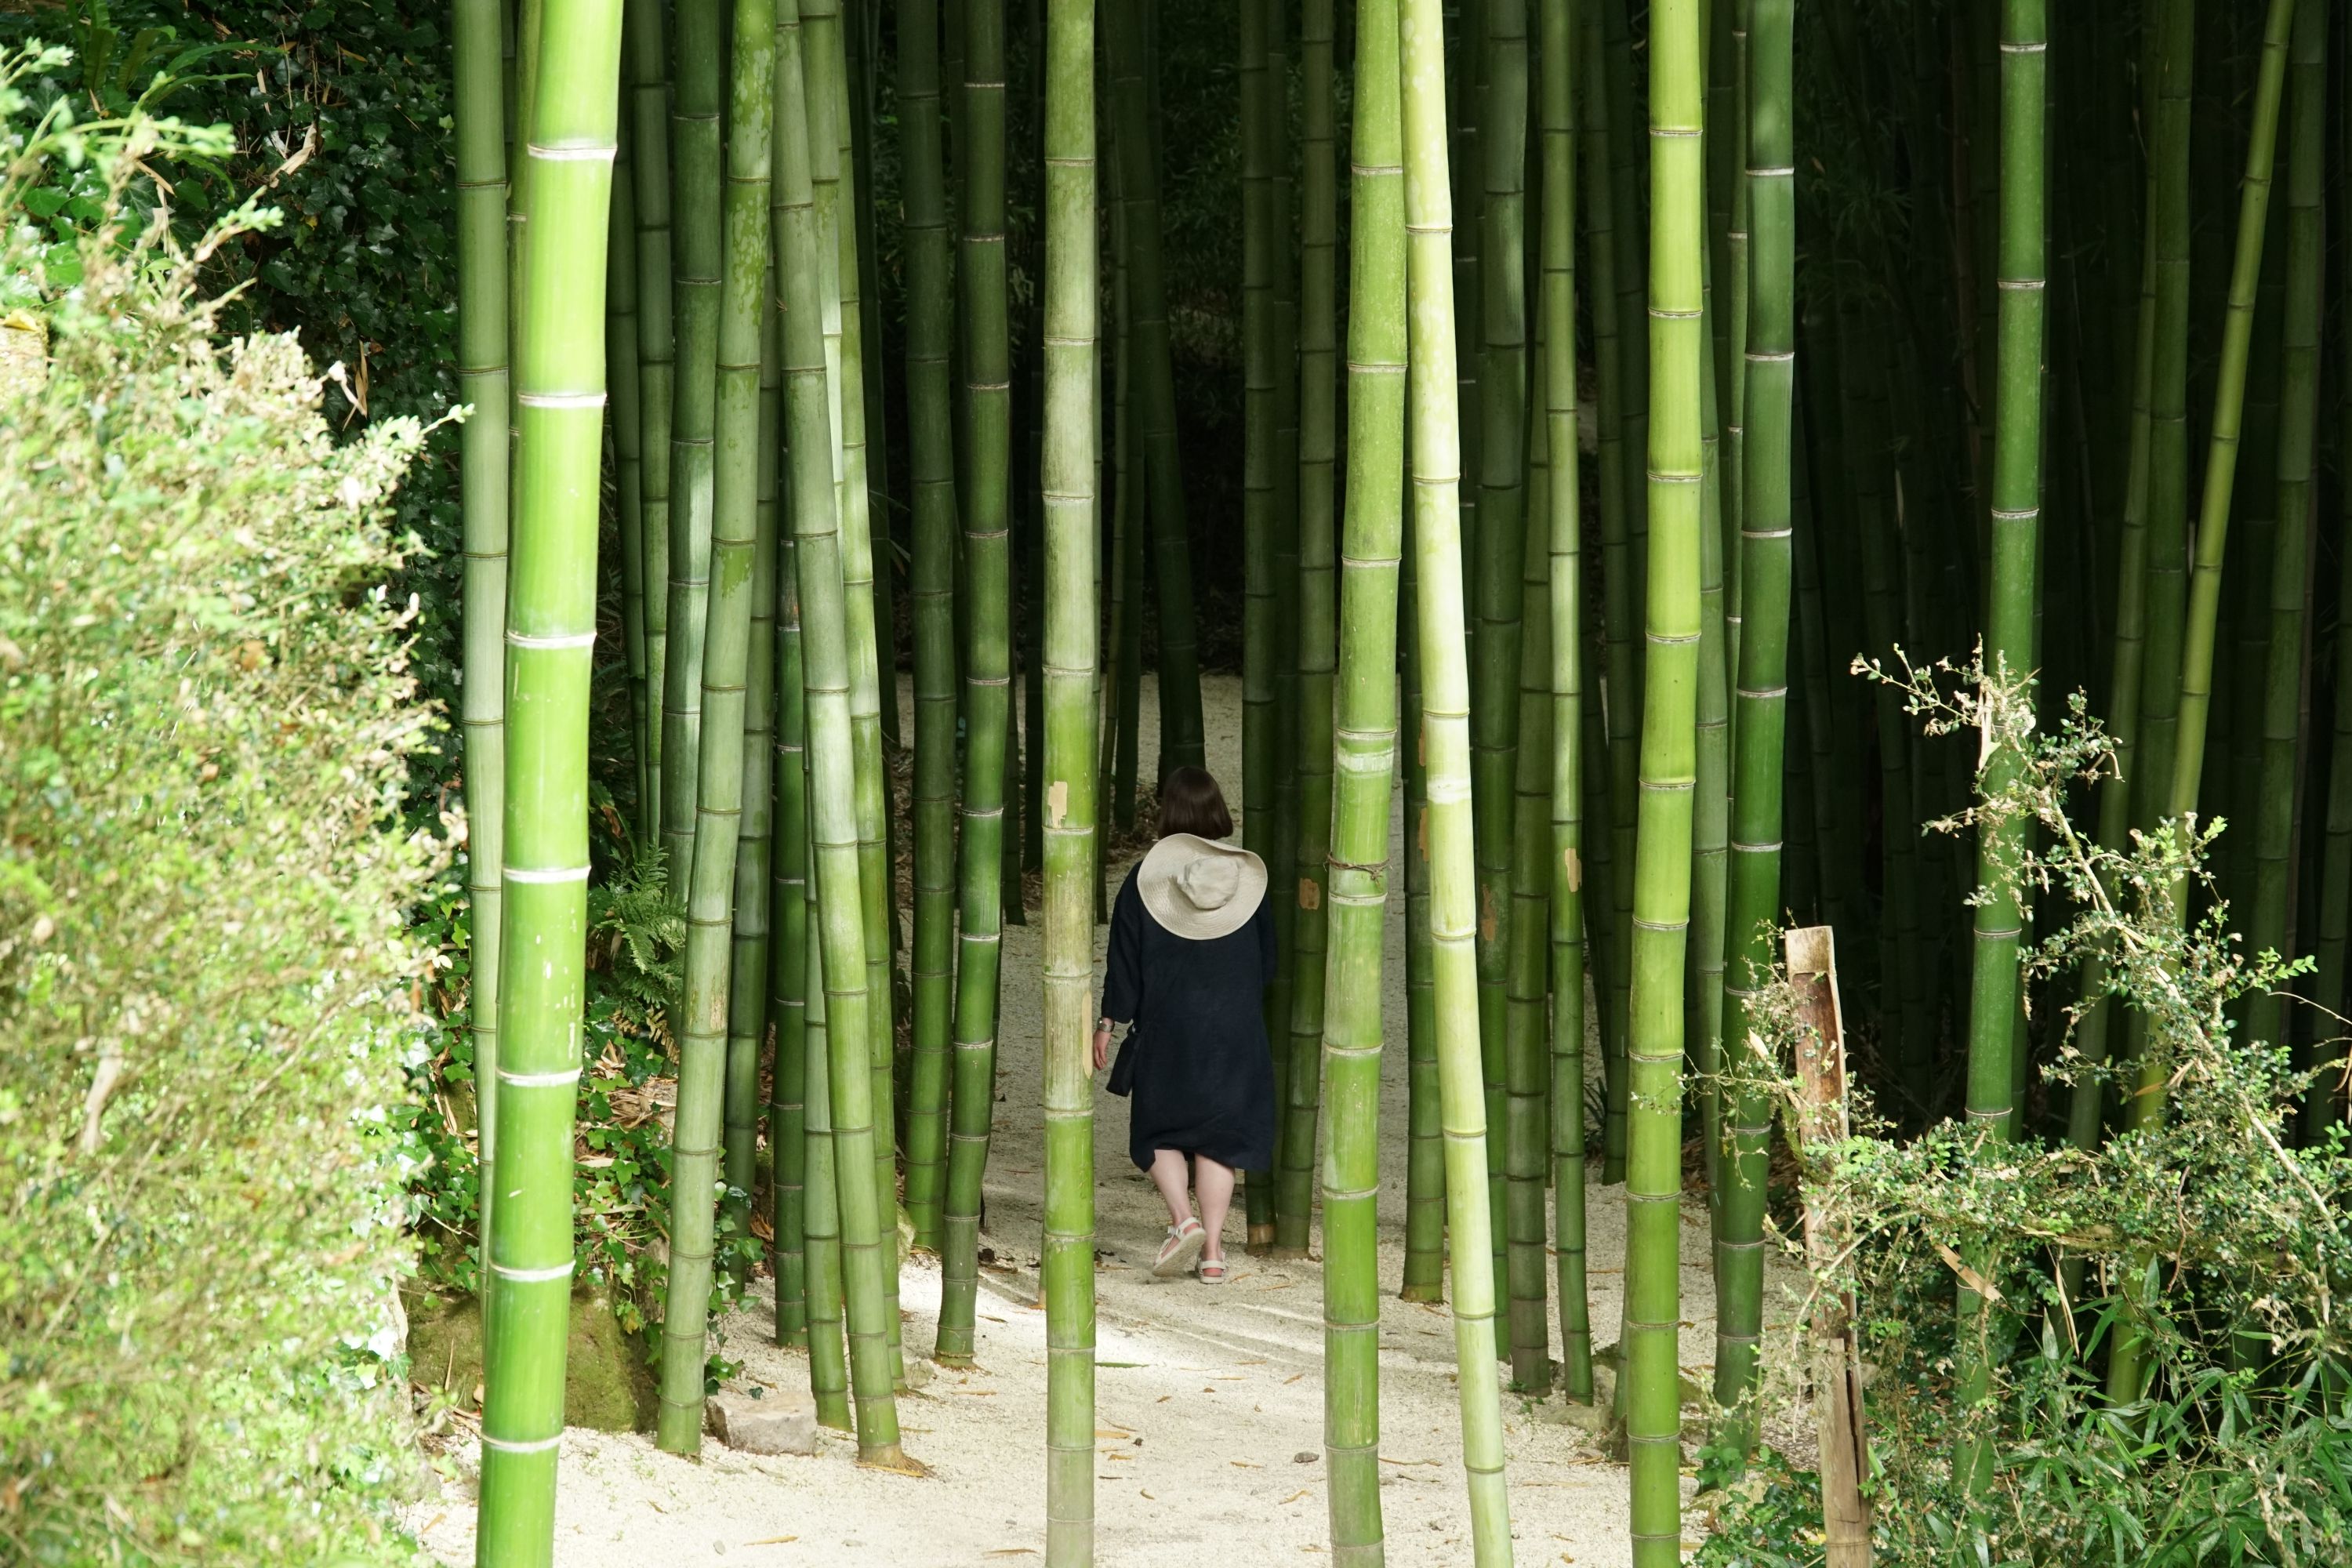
point(1192, 951)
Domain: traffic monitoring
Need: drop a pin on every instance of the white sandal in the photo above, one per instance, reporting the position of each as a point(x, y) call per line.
point(1212, 1271)
point(1183, 1244)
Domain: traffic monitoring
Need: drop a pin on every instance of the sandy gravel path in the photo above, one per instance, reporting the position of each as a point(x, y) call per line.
point(1210, 1400)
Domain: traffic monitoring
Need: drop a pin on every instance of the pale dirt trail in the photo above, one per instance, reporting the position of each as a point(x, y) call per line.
point(1208, 1399)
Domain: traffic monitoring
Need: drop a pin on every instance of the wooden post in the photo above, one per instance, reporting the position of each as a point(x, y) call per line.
point(1837, 1365)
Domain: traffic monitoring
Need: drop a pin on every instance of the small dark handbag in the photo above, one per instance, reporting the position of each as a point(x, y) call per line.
point(1122, 1065)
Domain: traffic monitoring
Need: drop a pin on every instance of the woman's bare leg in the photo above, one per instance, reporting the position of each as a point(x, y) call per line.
point(1168, 1173)
point(1215, 1183)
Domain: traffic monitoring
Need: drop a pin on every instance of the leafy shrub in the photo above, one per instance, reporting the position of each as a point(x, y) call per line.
point(206, 724)
point(2201, 1232)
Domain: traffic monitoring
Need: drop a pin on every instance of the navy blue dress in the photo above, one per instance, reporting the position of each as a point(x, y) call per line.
point(1203, 1071)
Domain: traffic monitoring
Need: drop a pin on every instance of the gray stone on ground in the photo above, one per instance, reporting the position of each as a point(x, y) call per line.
point(777, 1422)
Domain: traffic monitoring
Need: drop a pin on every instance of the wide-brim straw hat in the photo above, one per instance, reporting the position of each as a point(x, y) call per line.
point(1198, 888)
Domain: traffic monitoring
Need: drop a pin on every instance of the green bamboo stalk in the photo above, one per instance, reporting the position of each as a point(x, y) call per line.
point(1273, 83)
point(2127, 1366)
point(2096, 1011)
point(987, 665)
point(628, 461)
point(832, 167)
point(703, 1044)
point(1500, 549)
point(931, 324)
point(788, 1111)
point(1364, 766)
point(1616, 355)
point(2326, 1102)
point(1445, 720)
point(1318, 630)
point(1527, 1045)
point(747, 1005)
point(2165, 582)
point(648, 108)
point(825, 658)
point(1563, 523)
point(1424, 1203)
point(698, 252)
point(559, 386)
point(1662, 870)
point(1258, 632)
point(1261, 617)
point(1753, 899)
point(484, 480)
point(1995, 991)
point(2278, 806)
point(1710, 816)
point(828, 1358)
point(1154, 389)
point(1067, 485)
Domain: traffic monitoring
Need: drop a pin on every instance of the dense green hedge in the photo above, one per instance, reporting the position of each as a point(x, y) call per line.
point(363, 268)
point(206, 723)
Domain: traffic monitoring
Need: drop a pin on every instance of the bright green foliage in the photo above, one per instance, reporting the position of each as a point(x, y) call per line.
point(206, 723)
point(2218, 1462)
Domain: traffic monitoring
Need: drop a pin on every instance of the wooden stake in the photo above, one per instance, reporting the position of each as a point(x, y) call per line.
point(1837, 1375)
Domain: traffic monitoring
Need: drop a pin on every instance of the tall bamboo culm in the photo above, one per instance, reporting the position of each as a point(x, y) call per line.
point(833, 165)
point(2272, 925)
point(628, 455)
point(2127, 1366)
point(1317, 622)
point(930, 326)
point(551, 632)
point(1662, 879)
point(1498, 541)
point(1446, 718)
point(2009, 646)
point(1364, 765)
point(698, 253)
point(839, 911)
point(988, 663)
point(703, 1065)
point(755, 914)
point(1562, 522)
point(1753, 901)
point(647, 107)
point(485, 482)
point(788, 973)
point(1067, 1267)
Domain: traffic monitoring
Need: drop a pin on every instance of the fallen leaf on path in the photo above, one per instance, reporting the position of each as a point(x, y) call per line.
point(655, 1506)
point(436, 1520)
point(977, 1393)
point(1294, 1377)
point(1163, 1399)
point(1112, 1432)
point(1105, 1363)
point(1244, 1465)
point(771, 1540)
point(1386, 1460)
point(1292, 1498)
point(992, 1317)
point(1252, 1361)
point(1013, 1552)
point(1147, 1495)
point(1284, 1286)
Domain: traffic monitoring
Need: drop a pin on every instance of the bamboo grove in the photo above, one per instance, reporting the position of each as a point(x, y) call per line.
point(1641, 368)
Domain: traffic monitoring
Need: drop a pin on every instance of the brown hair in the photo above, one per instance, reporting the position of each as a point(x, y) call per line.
point(1191, 802)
